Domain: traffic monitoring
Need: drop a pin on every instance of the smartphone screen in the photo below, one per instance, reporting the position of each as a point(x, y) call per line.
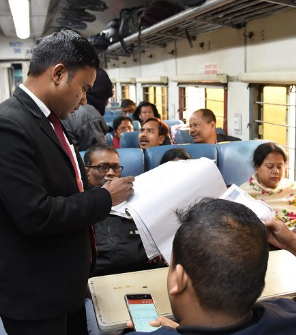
point(142, 310)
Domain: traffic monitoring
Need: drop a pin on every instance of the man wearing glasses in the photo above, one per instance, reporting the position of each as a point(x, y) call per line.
point(119, 246)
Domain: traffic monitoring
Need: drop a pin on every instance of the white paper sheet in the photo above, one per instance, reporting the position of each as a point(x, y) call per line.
point(159, 192)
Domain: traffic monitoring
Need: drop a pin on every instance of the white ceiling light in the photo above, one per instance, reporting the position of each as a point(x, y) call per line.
point(20, 14)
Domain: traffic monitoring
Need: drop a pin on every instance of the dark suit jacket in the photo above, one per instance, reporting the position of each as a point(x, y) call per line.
point(45, 243)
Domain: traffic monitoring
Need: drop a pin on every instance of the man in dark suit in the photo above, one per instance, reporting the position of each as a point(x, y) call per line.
point(45, 217)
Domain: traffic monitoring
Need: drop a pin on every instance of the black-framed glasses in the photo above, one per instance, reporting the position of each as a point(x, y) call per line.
point(106, 167)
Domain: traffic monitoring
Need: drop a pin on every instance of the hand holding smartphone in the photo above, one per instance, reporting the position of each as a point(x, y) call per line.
point(142, 310)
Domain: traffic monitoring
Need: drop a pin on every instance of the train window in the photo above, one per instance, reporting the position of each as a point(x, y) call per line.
point(128, 92)
point(275, 118)
point(192, 97)
point(159, 96)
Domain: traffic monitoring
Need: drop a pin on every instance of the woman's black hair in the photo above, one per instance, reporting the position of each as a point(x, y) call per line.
point(145, 104)
point(265, 149)
point(174, 153)
point(117, 121)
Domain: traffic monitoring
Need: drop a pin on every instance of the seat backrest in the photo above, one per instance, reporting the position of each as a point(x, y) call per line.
point(154, 155)
point(109, 139)
point(118, 112)
point(182, 136)
point(235, 160)
point(220, 131)
point(137, 125)
point(110, 117)
point(129, 140)
point(132, 160)
point(172, 122)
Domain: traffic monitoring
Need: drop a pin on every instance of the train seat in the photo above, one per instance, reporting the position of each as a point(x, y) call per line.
point(129, 140)
point(132, 160)
point(235, 160)
point(220, 131)
point(109, 139)
point(153, 155)
point(182, 135)
point(110, 117)
point(137, 125)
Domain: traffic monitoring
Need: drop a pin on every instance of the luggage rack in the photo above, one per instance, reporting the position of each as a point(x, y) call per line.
point(212, 15)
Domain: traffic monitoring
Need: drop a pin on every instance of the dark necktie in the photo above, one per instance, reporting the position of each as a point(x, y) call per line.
point(60, 134)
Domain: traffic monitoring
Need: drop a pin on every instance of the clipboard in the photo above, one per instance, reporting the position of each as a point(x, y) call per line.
point(107, 291)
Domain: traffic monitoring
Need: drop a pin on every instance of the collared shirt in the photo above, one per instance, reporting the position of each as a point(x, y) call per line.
point(46, 112)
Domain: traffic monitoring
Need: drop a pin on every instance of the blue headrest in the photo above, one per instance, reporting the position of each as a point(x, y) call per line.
point(132, 160)
point(172, 122)
point(235, 160)
point(220, 131)
point(109, 139)
point(183, 136)
point(153, 155)
point(137, 125)
point(129, 140)
point(110, 117)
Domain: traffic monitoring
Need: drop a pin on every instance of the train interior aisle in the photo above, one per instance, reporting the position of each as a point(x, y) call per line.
point(236, 58)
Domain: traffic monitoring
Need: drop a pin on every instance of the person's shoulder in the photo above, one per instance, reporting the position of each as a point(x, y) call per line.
point(281, 307)
point(225, 138)
point(159, 331)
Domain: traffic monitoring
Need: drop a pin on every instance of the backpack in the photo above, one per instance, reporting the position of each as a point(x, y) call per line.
point(157, 11)
point(99, 41)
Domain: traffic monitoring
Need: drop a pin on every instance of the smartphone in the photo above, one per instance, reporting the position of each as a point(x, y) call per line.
point(142, 310)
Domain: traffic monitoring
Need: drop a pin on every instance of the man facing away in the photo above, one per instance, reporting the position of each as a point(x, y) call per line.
point(153, 132)
point(217, 272)
point(46, 209)
point(202, 128)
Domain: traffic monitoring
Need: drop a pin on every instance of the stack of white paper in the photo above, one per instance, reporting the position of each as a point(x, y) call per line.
point(260, 208)
point(159, 192)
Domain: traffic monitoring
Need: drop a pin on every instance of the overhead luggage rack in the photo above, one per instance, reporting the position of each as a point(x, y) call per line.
point(212, 15)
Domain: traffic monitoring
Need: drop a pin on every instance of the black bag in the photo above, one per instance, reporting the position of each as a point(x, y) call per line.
point(99, 41)
point(192, 3)
point(112, 30)
point(158, 11)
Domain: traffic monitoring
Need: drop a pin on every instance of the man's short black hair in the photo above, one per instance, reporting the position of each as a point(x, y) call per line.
point(127, 102)
point(207, 115)
point(97, 147)
point(223, 247)
point(66, 47)
point(163, 129)
point(117, 121)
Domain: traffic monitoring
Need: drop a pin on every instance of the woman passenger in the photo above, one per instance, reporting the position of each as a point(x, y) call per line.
point(175, 154)
point(269, 184)
point(144, 111)
point(121, 124)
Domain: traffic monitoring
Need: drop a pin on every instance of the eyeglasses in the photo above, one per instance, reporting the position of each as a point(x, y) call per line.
point(106, 167)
